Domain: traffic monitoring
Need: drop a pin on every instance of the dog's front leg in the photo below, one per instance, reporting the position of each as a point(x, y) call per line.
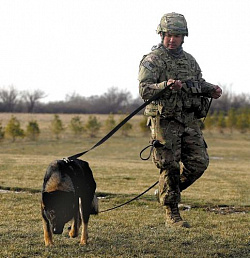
point(46, 228)
point(84, 236)
point(47, 233)
point(74, 231)
point(76, 222)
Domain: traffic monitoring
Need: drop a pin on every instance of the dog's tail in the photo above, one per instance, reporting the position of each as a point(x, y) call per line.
point(94, 206)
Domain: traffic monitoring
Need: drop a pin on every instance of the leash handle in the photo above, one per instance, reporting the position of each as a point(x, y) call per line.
point(154, 144)
point(150, 152)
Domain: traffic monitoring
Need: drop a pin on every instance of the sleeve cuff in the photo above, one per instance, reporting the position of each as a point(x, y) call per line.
point(162, 85)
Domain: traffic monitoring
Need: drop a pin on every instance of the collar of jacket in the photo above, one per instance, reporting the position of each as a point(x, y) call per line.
point(173, 52)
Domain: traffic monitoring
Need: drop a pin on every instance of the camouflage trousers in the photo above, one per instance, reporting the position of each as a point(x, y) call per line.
point(181, 156)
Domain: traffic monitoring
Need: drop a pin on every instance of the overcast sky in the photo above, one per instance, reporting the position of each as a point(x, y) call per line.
point(87, 46)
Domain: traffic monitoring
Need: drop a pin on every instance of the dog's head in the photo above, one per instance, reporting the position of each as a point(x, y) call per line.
point(58, 207)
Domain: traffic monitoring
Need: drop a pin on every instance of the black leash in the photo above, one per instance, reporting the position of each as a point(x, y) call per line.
point(209, 105)
point(106, 137)
point(118, 206)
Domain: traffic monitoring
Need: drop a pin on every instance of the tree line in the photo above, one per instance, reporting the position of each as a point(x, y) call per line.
point(13, 130)
point(91, 128)
point(113, 101)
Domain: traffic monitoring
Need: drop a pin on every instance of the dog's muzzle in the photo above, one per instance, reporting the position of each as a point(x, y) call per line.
point(57, 230)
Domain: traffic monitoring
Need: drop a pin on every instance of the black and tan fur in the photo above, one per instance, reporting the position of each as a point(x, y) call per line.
point(68, 194)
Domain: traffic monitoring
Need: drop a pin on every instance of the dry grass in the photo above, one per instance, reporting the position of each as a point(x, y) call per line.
point(219, 201)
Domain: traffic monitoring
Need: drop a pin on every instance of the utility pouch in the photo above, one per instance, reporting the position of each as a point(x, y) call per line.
point(170, 106)
point(202, 110)
point(151, 110)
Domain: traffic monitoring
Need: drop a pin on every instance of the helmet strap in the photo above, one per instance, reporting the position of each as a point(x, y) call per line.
point(162, 36)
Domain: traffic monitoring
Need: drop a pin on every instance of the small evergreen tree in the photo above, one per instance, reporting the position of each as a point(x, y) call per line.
point(242, 122)
point(13, 129)
point(231, 119)
point(32, 130)
point(209, 122)
point(57, 126)
point(92, 126)
point(221, 122)
point(215, 118)
point(126, 128)
point(110, 123)
point(1, 132)
point(76, 125)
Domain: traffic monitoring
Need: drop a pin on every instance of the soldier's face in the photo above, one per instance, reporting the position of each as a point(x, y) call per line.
point(172, 41)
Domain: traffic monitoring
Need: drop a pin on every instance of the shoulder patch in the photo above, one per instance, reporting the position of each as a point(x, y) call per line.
point(148, 65)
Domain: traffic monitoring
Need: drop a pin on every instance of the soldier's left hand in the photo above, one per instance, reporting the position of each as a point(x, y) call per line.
point(217, 92)
point(174, 84)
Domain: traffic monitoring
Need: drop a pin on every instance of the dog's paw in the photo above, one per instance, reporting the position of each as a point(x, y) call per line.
point(73, 233)
point(49, 244)
point(83, 242)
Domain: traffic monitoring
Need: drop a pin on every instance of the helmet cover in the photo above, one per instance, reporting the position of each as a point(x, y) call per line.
point(173, 23)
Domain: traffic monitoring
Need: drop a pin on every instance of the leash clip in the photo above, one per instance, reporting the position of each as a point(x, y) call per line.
point(66, 160)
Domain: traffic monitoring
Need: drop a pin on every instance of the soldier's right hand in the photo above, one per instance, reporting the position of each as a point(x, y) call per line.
point(217, 92)
point(174, 84)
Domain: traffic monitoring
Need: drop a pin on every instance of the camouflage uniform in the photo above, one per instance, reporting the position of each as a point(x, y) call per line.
point(173, 119)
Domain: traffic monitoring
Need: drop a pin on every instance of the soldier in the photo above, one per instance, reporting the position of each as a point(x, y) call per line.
point(174, 117)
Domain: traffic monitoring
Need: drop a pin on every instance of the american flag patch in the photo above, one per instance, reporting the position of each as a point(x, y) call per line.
point(148, 65)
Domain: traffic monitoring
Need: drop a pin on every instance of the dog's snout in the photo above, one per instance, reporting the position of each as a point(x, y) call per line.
point(57, 230)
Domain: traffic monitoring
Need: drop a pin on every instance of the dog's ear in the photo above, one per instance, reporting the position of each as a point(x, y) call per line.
point(50, 199)
point(57, 198)
point(45, 198)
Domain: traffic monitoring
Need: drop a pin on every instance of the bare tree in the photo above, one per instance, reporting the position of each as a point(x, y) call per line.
point(230, 100)
point(115, 100)
point(9, 98)
point(31, 98)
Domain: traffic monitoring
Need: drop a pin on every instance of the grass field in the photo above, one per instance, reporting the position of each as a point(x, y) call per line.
point(219, 201)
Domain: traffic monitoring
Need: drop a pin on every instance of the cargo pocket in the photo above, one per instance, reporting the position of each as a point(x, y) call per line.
point(151, 125)
point(151, 110)
point(162, 154)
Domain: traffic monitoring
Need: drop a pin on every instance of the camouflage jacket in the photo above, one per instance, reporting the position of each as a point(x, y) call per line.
point(184, 105)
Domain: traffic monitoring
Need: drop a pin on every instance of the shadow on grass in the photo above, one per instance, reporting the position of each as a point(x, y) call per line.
point(124, 199)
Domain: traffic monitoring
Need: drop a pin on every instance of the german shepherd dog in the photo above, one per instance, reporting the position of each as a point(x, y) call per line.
point(68, 194)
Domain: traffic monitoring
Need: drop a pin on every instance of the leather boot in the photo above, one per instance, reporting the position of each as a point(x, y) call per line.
point(173, 217)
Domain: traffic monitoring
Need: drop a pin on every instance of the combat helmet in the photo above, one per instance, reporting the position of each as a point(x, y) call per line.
point(173, 23)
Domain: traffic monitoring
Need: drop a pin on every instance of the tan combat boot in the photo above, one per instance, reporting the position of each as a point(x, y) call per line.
point(173, 217)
